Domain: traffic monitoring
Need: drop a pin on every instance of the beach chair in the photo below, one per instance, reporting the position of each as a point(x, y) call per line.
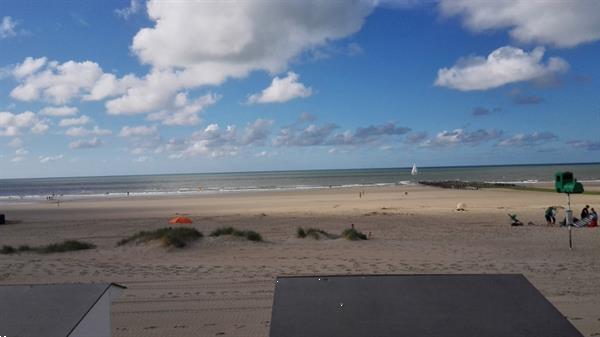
point(582, 223)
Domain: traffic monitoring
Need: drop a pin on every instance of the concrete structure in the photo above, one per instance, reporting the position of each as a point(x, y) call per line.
point(69, 310)
point(414, 306)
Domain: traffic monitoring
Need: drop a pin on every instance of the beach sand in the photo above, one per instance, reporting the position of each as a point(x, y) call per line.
point(224, 286)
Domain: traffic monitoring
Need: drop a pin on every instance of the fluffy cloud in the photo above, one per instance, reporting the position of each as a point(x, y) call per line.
point(369, 134)
point(560, 23)
point(83, 132)
point(213, 141)
point(68, 122)
point(236, 37)
point(257, 132)
point(183, 111)
point(523, 140)
point(57, 83)
point(47, 159)
point(28, 67)
point(59, 111)
point(222, 40)
point(21, 152)
point(138, 131)
point(282, 90)
point(85, 144)
point(12, 124)
point(7, 27)
point(503, 66)
point(462, 137)
point(311, 135)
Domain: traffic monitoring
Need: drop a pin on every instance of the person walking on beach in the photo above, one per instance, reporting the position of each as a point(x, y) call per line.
point(585, 212)
point(549, 215)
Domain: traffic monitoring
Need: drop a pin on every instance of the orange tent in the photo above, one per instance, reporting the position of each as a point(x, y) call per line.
point(180, 219)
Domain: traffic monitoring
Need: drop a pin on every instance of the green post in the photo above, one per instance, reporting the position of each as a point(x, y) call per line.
point(565, 182)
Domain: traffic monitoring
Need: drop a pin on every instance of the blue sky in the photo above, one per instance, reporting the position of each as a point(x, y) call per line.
point(116, 87)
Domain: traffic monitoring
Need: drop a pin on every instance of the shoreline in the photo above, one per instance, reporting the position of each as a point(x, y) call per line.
point(592, 188)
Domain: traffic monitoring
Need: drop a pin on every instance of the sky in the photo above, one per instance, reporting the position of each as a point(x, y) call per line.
point(134, 87)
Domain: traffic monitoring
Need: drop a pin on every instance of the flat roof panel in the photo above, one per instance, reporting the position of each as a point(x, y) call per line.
point(414, 306)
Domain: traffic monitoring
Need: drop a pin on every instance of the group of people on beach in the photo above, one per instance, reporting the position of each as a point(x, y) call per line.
point(588, 215)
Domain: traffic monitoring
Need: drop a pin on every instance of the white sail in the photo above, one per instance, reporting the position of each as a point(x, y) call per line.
point(414, 170)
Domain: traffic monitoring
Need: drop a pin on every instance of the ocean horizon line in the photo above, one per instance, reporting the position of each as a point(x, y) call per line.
point(307, 170)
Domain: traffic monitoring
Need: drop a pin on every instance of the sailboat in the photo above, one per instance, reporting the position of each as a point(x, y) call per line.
point(414, 170)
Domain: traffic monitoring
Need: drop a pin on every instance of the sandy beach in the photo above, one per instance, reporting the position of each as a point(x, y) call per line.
point(224, 286)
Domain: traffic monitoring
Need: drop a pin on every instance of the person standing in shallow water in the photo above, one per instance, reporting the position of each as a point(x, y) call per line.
point(549, 215)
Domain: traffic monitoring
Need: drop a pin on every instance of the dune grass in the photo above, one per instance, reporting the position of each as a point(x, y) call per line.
point(314, 233)
point(353, 235)
point(177, 237)
point(249, 234)
point(65, 246)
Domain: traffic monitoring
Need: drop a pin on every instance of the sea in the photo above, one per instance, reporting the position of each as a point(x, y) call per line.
point(180, 184)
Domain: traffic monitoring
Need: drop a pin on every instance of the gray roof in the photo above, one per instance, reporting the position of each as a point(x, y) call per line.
point(46, 309)
point(414, 306)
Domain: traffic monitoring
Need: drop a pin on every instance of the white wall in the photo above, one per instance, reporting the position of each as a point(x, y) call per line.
point(97, 322)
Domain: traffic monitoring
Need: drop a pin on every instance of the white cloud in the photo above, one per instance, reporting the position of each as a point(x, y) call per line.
point(134, 7)
point(138, 131)
point(524, 140)
point(503, 66)
point(83, 132)
point(21, 152)
point(311, 135)
point(257, 132)
point(184, 112)
point(85, 144)
point(59, 111)
point(81, 120)
point(28, 67)
point(222, 40)
point(60, 83)
point(461, 137)
point(17, 159)
point(47, 159)
point(7, 27)
point(282, 90)
point(560, 23)
point(12, 124)
point(212, 141)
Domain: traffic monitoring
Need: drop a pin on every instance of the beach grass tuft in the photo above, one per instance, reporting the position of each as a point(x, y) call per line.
point(6, 249)
point(314, 233)
point(248, 234)
point(65, 246)
point(176, 237)
point(353, 235)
